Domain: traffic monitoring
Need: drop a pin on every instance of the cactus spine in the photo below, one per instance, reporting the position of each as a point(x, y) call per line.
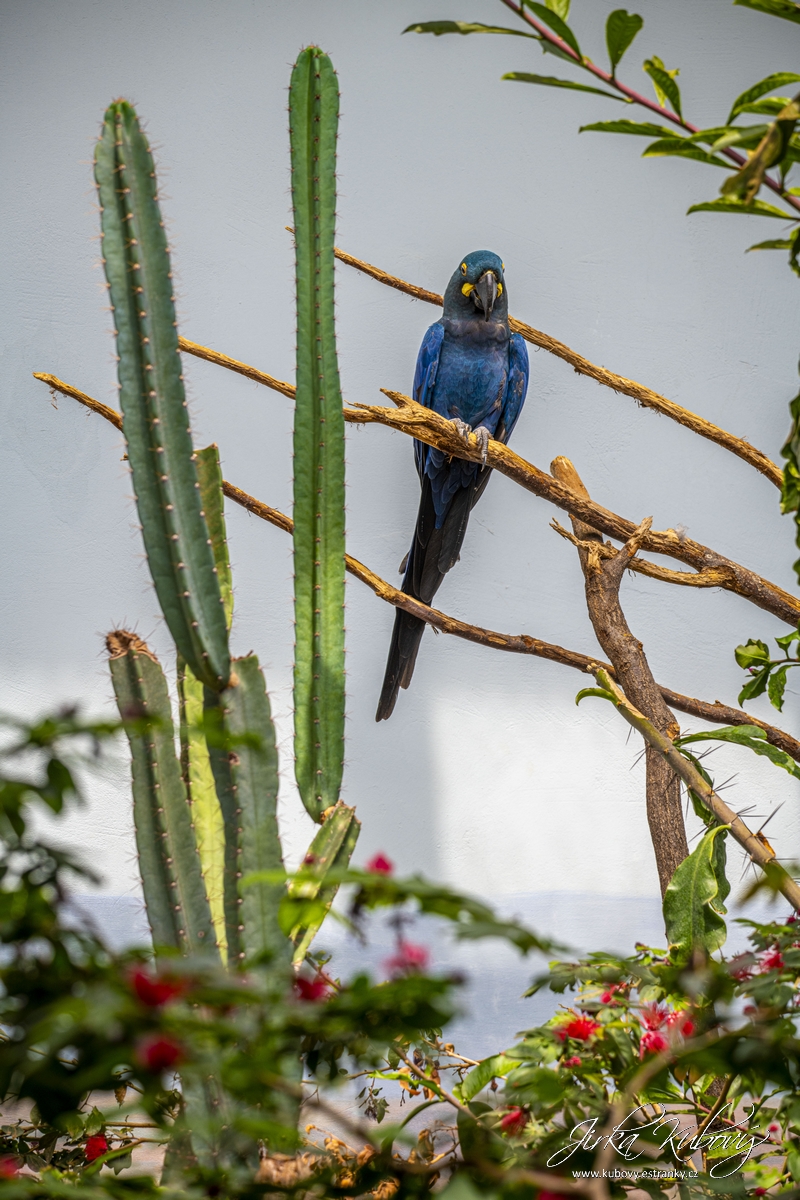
point(155, 417)
point(175, 897)
point(318, 441)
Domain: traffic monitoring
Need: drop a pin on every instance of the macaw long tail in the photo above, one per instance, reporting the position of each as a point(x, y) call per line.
point(433, 552)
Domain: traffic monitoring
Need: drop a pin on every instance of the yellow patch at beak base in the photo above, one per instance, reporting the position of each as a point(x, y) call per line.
point(468, 288)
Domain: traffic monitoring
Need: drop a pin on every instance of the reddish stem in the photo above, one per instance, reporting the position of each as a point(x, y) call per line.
point(586, 63)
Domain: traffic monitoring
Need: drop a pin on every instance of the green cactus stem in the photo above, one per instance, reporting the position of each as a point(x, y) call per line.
point(318, 441)
point(175, 897)
point(330, 851)
point(198, 780)
point(195, 765)
point(244, 759)
point(153, 401)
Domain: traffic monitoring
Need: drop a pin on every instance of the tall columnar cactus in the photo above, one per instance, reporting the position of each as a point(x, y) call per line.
point(155, 417)
point(318, 441)
point(175, 896)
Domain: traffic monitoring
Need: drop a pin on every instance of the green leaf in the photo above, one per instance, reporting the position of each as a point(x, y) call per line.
point(621, 28)
point(751, 736)
point(787, 639)
point(779, 79)
point(694, 899)
point(636, 128)
point(683, 148)
point(664, 83)
point(769, 106)
point(498, 1065)
point(771, 244)
point(752, 653)
point(774, 8)
point(559, 7)
point(437, 28)
point(601, 692)
point(551, 81)
point(558, 26)
point(755, 685)
point(756, 208)
point(744, 138)
point(776, 687)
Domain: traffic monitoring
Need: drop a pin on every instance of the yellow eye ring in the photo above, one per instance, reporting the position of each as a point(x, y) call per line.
point(463, 268)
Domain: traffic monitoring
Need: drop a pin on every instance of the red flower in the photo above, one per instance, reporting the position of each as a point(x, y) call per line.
point(579, 1028)
point(741, 967)
point(680, 1022)
point(551, 1196)
point(311, 989)
point(154, 991)
point(653, 1016)
point(774, 1127)
point(379, 864)
point(95, 1147)
point(652, 1042)
point(772, 960)
point(408, 959)
point(514, 1121)
point(759, 1191)
point(158, 1053)
point(575, 1061)
point(9, 1166)
point(608, 996)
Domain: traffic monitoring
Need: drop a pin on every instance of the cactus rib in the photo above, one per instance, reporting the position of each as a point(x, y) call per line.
point(175, 897)
point(244, 759)
point(318, 441)
point(152, 397)
point(330, 851)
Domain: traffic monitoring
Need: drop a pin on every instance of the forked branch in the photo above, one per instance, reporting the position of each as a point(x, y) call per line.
point(603, 576)
point(720, 714)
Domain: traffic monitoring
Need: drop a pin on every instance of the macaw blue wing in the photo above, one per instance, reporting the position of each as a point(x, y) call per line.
point(424, 379)
point(519, 370)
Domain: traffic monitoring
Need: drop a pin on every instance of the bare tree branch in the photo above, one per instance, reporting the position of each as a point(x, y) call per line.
point(522, 643)
point(603, 576)
point(644, 396)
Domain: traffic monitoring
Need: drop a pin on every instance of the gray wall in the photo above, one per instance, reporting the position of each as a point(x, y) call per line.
point(487, 774)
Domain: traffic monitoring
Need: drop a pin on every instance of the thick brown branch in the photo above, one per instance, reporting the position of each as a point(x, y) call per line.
point(522, 643)
point(422, 423)
point(603, 576)
point(758, 851)
point(707, 578)
point(618, 383)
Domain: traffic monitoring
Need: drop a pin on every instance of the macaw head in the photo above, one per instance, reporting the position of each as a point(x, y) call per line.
point(477, 287)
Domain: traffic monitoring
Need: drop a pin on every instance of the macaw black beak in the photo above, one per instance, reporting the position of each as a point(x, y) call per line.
point(485, 293)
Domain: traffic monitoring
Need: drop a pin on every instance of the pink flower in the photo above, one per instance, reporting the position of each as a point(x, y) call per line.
point(575, 1061)
point(653, 1016)
point(759, 1191)
point(680, 1023)
point(608, 996)
point(154, 991)
point(579, 1028)
point(652, 1042)
point(408, 959)
point(774, 1127)
point(514, 1121)
point(158, 1053)
point(379, 864)
point(312, 990)
point(741, 967)
point(95, 1147)
point(9, 1166)
point(772, 960)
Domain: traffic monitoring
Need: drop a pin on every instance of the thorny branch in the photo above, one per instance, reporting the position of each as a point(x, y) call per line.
point(756, 849)
point(717, 713)
point(603, 576)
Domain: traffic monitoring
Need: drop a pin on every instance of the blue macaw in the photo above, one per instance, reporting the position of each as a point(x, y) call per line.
point(474, 371)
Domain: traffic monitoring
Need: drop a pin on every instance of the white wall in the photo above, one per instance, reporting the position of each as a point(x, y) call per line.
point(487, 774)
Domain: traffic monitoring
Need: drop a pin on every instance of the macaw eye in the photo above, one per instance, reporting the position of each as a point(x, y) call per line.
point(463, 268)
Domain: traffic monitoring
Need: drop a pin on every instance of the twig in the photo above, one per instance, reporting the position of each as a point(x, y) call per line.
point(603, 575)
point(717, 713)
point(758, 852)
point(644, 396)
point(433, 1086)
point(637, 98)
